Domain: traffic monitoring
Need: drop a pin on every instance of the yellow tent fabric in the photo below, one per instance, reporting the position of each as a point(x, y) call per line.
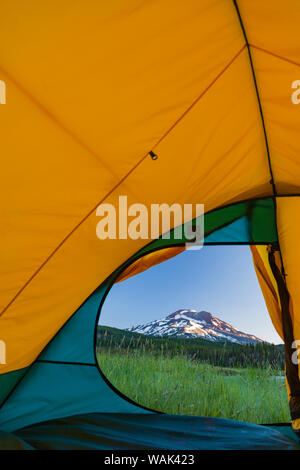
point(92, 88)
point(147, 261)
point(268, 285)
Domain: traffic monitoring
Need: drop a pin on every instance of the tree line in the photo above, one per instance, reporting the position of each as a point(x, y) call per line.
point(222, 354)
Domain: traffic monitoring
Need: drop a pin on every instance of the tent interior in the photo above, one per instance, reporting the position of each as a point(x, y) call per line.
point(84, 410)
point(165, 102)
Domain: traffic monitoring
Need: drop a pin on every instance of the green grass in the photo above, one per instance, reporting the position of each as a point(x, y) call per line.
point(179, 385)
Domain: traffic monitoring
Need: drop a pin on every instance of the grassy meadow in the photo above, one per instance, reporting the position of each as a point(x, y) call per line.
point(196, 377)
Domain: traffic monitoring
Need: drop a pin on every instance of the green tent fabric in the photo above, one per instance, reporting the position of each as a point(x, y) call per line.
point(115, 431)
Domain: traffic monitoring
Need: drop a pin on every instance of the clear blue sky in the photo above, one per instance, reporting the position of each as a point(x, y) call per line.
point(218, 279)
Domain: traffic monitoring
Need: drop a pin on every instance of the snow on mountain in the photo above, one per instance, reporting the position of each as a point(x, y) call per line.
point(192, 324)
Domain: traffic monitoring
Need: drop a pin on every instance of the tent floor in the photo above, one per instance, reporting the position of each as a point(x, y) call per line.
point(113, 431)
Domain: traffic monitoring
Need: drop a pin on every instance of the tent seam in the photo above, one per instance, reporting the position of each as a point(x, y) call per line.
point(292, 375)
point(285, 59)
point(257, 96)
point(272, 181)
point(55, 120)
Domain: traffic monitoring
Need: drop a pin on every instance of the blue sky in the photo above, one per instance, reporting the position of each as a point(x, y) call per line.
point(218, 279)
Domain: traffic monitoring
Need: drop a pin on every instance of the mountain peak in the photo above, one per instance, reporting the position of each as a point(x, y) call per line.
point(189, 323)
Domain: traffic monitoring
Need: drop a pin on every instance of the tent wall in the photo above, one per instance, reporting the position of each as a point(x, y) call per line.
point(79, 134)
point(65, 380)
point(207, 86)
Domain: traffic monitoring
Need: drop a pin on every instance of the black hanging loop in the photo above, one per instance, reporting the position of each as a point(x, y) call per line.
point(153, 155)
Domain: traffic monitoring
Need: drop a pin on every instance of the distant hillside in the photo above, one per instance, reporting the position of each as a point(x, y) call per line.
point(224, 354)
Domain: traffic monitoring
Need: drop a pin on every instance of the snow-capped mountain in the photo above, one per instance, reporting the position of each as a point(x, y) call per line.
point(193, 324)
